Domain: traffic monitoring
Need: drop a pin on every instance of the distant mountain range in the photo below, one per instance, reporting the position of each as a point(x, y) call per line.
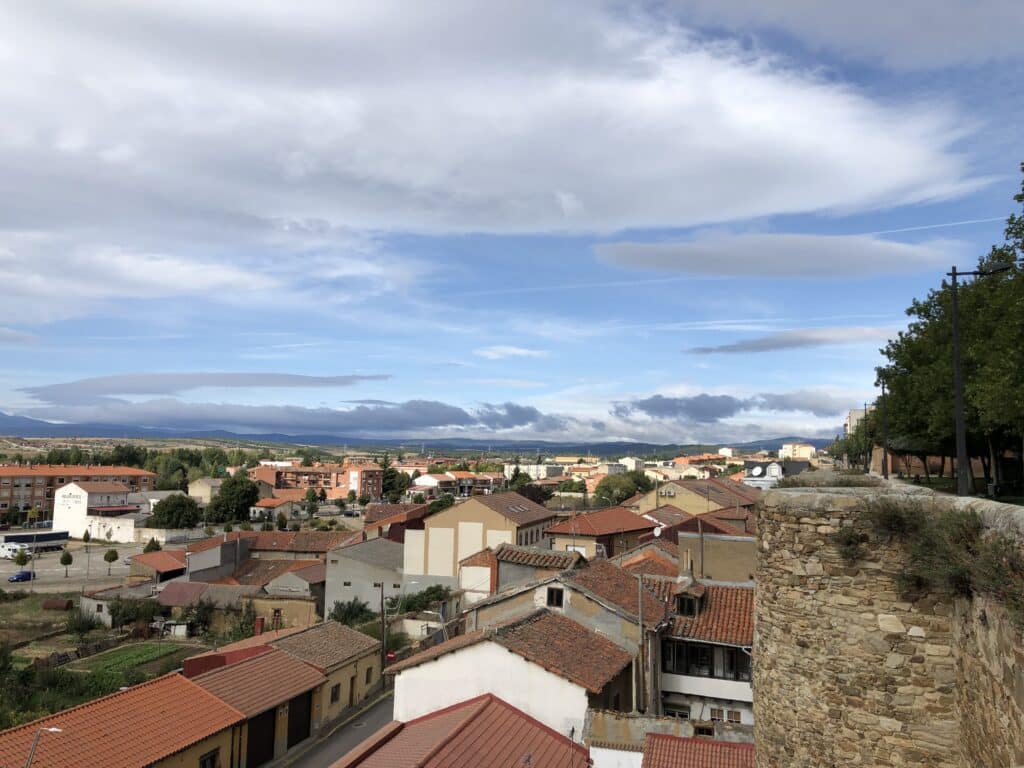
point(20, 426)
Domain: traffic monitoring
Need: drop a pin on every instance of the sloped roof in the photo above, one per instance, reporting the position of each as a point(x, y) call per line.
point(132, 728)
point(516, 508)
point(603, 522)
point(260, 572)
point(482, 559)
point(327, 645)
point(466, 735)
point(162, 561)
point(178, 594)
point(549, 640)
point(537, 557)
point(375, 512)
point(612, 584)
point(664, 751)
point(68, 471)
point(313, 574)
point(261, 682)
point(102, 486)
point(726, 616)
point(380, 552)
point(650, 562)
point(667, 514)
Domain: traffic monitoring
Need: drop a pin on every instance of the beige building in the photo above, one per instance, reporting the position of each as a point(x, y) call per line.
point(695, 497)
point(797, 451)
point(602, 533)
point(718, 557)
point(432, 555)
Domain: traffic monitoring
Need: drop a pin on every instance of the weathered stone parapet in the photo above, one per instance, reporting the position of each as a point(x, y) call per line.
point(849, 674)
point(846, 672)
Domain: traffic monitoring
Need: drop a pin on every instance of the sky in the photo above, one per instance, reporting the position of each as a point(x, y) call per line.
point(682, 221)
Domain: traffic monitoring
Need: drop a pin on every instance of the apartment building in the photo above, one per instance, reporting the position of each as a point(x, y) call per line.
point(23, 486)
point(365, 478)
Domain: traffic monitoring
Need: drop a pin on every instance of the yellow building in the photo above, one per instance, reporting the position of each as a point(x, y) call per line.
point(455, 533)
point(169, 722)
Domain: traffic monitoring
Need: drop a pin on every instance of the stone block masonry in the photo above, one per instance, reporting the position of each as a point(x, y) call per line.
point(847, 673)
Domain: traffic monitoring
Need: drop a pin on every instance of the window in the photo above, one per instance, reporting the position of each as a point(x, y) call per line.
point(686, 605)
point(680, 657)
point(335, 693)
point(717, 715)
point(681, 711)
point(704, 730)
point(99, 607)
point(346, 583)
point(734, 716)
point(556, 596)
point(396, 586)
point(369, 675)
point(210, 759)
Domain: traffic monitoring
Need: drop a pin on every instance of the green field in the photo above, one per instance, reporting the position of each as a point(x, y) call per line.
point(127, 657)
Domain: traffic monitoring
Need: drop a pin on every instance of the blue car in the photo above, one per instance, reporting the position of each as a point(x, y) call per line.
point(22, 576)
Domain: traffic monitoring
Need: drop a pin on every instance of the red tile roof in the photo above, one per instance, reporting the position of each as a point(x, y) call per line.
point(666, 514)
point(132, 728)
point(314, 574)
point(547, 639)
point(603, 522)
point(538, 558)
point(307, 542)
point(261, 682)
point(484, 732)
point(664, 751)
point(650, 562)
point(105, 486)
point(375, 512)
point(610, 583)
point(178, 594)
point(726, 616)
point(482, 559)
point(162, 561)
point(270, 503)
point(260, 572)
point(328, 645)
point(67, 471)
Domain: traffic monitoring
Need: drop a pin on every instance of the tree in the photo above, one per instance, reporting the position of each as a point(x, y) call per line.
point(351, 612)
point(110, 557)
point(236, 496)
point(615, 489)
point(418, 498)
point(312, 506)
point(152, 546)
point(267, 526)
point(573, 486)
point(351, 497)
point(177, 511)
point(21, 558)
point(535, 493)
point(66, 560)
point(282, 521)
point(322, 496)
point(363, 500)
point(442, 503)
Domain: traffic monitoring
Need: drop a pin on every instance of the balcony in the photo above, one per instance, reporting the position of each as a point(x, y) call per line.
point(707, 687)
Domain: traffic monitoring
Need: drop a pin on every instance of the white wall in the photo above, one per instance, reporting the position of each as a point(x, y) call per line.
point(471, 539)
point(488, 668)
point(441, 551)
point(70, 505)
point(615, 758)
point(707, 687)
point(122, 530)
point(496, 537)
point(475, 581)
point(412, 553)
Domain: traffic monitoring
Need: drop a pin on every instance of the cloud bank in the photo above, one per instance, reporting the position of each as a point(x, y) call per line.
point(800, 339)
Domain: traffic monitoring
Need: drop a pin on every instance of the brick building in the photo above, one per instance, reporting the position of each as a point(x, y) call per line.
point(365, 478)
point(23, 486)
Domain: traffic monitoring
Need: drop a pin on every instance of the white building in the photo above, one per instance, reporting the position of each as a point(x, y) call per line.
point(706, 661)
point(727, 452)
point(536, 471)
point(517, 662)
point(101, 508)
point(797, 451)
point(631, 463)
point(764, 476)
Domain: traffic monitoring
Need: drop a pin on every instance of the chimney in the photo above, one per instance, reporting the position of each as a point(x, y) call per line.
point(258, 626)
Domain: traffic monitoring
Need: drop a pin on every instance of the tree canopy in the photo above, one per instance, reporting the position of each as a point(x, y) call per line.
point(615, 489)
point(177, 511)
point(236, 496)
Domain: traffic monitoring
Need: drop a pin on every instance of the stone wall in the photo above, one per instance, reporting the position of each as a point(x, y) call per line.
point(849, 674)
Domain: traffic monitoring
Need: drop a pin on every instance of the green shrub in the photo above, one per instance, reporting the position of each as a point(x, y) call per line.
point(80, 624)
point(893, 518)
point(850, 543)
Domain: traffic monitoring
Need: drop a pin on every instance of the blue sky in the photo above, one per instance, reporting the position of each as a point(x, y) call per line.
point(682, 221)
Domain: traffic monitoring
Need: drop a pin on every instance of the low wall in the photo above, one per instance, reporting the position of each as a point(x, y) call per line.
point(847, 673)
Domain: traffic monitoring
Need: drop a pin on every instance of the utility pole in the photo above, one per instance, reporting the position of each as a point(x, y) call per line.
point(643, 638)
point(963, 461)
point(383, 631)
point(885, 434)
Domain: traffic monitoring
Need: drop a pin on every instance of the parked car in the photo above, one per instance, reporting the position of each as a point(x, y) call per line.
point(22, 576)
point(127, 560)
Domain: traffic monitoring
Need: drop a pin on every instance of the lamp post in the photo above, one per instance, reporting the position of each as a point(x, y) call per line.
point(885, 435)
point(35, 743)
point(964, 475)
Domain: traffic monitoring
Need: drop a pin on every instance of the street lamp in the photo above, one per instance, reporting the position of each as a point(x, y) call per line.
point(35, 743)
point(964, 475)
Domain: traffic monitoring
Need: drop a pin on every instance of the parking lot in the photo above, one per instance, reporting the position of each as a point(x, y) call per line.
point(83, 573)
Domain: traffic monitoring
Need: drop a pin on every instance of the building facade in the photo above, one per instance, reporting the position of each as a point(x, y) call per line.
point(23, 487)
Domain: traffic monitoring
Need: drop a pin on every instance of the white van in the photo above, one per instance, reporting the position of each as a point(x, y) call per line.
point(8, 551)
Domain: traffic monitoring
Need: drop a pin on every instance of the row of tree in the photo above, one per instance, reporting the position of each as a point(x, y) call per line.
point(918, 409)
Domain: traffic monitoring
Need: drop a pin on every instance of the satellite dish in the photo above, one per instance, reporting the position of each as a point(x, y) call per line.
point(756, 471)
point(657, 532)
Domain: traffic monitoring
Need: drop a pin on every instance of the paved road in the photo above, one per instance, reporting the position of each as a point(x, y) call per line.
point(339, 743)
point(50, 573)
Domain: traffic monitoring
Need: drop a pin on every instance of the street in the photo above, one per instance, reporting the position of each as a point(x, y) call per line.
point(338, 744)
point(50, 573)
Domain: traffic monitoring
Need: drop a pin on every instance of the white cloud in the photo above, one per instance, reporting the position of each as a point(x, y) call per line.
point(389, 115)
point(784, 255)
point(910, 34)
point(501, 351)
point(800, 338)
point(12, 336)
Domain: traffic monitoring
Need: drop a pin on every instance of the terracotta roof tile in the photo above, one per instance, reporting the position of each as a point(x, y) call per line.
point(603, 522)
point(327, 645)
point(162, 561)
point(178, 594)
point(261, 682)
point(97, 486)
point(538, 558)
point(482, 559)
point(260, 572)
point(67, 471)
point(465, 736)
point(664, 751)
point(544, 638)
point(375, 512)
point(650, 562)
point(616, 586)
point(666, 514)
point(726, 616)
point(266, 638)
point(132, 728)
point(313, 574)
point(516, 508)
